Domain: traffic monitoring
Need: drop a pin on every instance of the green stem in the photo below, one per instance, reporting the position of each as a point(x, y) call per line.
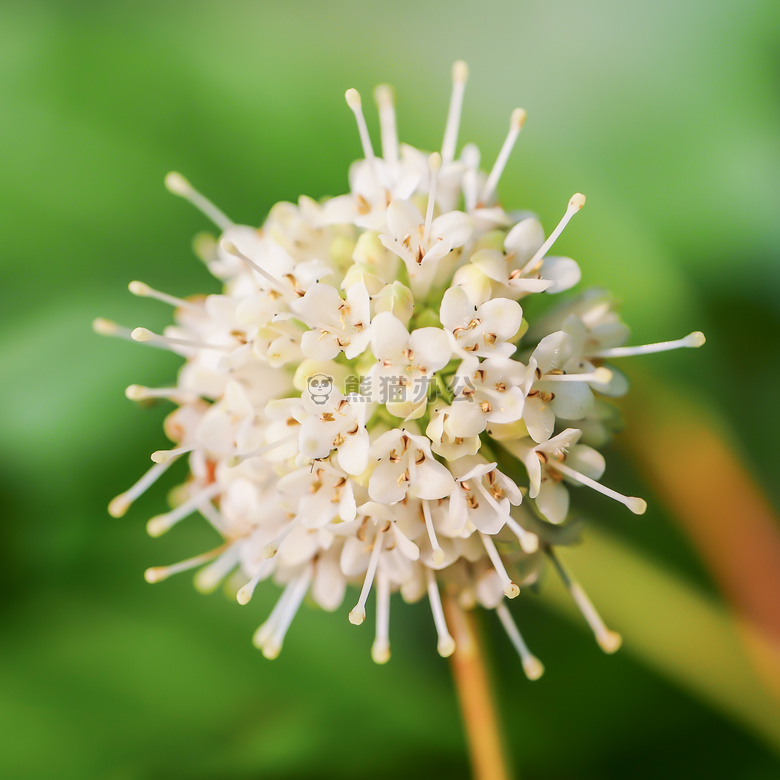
point(477, 703)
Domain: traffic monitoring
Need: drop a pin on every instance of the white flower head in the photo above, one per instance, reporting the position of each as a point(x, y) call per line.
point(364, 406)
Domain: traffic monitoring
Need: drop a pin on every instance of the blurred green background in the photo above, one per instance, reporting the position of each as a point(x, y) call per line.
point(664, 113)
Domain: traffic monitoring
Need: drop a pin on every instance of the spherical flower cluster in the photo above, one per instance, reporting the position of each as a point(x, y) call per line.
point(366, 403)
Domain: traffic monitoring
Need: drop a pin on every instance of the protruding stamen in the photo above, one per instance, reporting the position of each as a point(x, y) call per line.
point(446, 644)
point(460, 74)
point(164, 456)
point(601, 376)
point(119, 505)
point(470, 158)
point(434, 163)
point(142, 393)
point(576, 202)
point(609, 641)
point(528, 541)
point(515, 125)
point(105, 327)
point(143, 290)
point(144, 335)
point(637, 505)
point(380, 650)
point(178, 185)
point(352, 97)
point(209, 578)
point(270, 550)
point(438, 553)
point(266, 629)
point(232, 249)
point(234, 460)
point(358, 614)
point(511, 590)
point(532, 666)
point(161, 523)
point(245, 593)
point(273, 645)
point(693, 340)
point(383, 95)
point(160, 573)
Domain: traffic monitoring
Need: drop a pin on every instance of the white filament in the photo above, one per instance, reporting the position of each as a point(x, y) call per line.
point(273, 645)
point(105, 327)
point(380, 650)
point(387, 123)
point(532, 666)
point(446, 644)
point(460, 74)
point(145, 291)
point(600, 376)
point(358, 613)
point(528, 541)
point(236, 459)
point(434, 163)
point(510, 588)
point(232, 249)
point(270, 550)
point(576, 202)
point(609, 641)
point(245, 593)
point(637, 505)
point(178, 185)
point(122, 502)
point(515, 125)
point(165, 456)
point(266, 629)
point(692, 340)
point(159, 573)
point(208, 578)
point(438, 553)
point(141, 393)
point(161, 523)
point(144, 335)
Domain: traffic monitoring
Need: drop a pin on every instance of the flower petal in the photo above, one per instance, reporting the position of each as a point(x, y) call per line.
point(465, 419)
point(455, 311)
point(501, 316)
point(573, 400)
point(430, 349)
point(389, 337)
point(553, 351)
point(403, 219)
point(353, 453)
point(562, 271)
point(539, 418)
point(553, 501)
point(329, 583)
point(454, 226)
point(385, 484)
point(319, 345)
point(438, 250)
point(524, 239)
point(431, 480)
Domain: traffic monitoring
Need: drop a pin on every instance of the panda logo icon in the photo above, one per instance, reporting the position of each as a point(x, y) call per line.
point(320, 387)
